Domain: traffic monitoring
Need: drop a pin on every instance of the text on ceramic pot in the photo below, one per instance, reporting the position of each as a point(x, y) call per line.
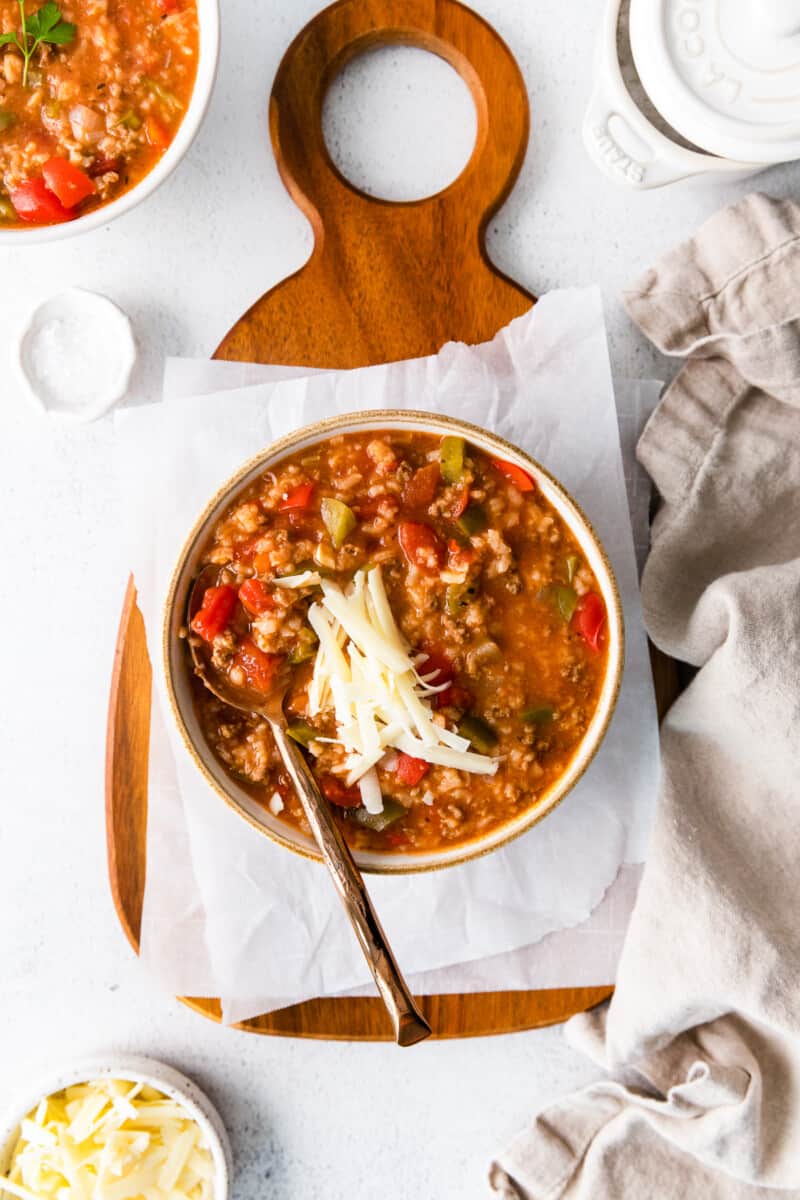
point(612, 153)
point(692, 45)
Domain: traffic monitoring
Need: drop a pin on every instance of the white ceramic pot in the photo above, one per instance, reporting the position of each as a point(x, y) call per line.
point(724, 74)
point(208, 22)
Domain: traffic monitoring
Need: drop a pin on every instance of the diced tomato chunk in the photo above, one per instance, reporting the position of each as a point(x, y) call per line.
point(34, 202)
point(411, 770)
point(521, 479)
point(336, 793)
point(589, 618)
point(215, 612)
point(437, 668)
point(421, 487)
point(260, 669)
point(243, 552)
point(157, 134)
point(256, 597)
point(460, 556)
point(420, 545)
point(299, 497)
point(67, 182)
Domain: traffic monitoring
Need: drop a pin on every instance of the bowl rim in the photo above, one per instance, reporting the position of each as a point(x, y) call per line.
point(136, 1069)
point(377, 419)
point(208, 20)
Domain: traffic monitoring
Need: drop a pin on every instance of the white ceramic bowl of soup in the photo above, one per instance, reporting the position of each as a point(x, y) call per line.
point(208, 19)
point(178, 670)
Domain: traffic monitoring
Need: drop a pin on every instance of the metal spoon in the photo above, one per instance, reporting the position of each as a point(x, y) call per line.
point(408, 1023)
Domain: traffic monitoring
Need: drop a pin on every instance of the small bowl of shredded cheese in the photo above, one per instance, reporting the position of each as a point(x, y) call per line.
point(134, 1129)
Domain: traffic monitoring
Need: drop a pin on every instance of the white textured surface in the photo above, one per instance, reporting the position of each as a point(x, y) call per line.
point(307, 1119)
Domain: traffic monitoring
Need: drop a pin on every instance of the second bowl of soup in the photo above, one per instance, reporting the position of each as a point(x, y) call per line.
point(98, 104)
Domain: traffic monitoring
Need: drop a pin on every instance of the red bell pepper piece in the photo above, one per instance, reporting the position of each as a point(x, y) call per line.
point(521, 479)
point(215, 612)
point(421, 487)
point(299, 497)
point(34, 202)
point(260, 669)
point(420, 545)
point(67, 182)
point(411, 770)
point(589, 618)
point(336, 793)
point(256, 597)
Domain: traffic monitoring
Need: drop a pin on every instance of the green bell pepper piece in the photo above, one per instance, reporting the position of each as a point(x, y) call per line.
point(304, 648)
point(472, 520)
point(451, 459)
point(540, 714)
point(302, 733)
point(339, 520)
point(392, 811)
point(7, 119)
point(481, 736)
point(130, 120)
point(166, 98)
point(459, 596)
point(563, 599)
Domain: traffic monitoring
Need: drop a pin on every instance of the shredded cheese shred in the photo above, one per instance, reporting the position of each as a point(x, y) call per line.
point(109, 1139)
point(365, 672)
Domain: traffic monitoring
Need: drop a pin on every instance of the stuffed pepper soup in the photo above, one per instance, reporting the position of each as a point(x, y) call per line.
point(445, 632)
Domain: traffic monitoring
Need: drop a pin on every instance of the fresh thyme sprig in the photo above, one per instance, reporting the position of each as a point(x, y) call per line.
point(46, 25)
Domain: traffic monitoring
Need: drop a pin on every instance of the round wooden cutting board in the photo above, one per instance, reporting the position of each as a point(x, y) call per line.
point(385, 281)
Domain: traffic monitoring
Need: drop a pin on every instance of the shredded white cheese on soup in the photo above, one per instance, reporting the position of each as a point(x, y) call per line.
point(109, 1139)
point(365, 672)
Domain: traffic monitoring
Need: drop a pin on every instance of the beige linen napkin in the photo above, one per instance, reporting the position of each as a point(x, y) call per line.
point(704, 1029)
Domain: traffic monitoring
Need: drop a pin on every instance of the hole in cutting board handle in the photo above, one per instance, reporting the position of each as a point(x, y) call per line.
point(340, 34)
point(399, 123)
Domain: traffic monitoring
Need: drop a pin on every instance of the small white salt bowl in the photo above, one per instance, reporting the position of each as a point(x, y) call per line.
point(76, 355)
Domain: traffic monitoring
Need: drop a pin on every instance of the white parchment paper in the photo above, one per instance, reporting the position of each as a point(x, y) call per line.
point(227, 913)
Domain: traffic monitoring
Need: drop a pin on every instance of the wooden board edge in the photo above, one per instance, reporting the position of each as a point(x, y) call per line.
point(451, 1015)
point(130, 921)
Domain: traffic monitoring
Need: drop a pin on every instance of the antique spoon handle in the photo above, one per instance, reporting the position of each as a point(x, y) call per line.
point(409, 1024)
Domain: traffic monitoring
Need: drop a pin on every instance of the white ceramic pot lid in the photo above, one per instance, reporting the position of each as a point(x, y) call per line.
point(724, 73)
